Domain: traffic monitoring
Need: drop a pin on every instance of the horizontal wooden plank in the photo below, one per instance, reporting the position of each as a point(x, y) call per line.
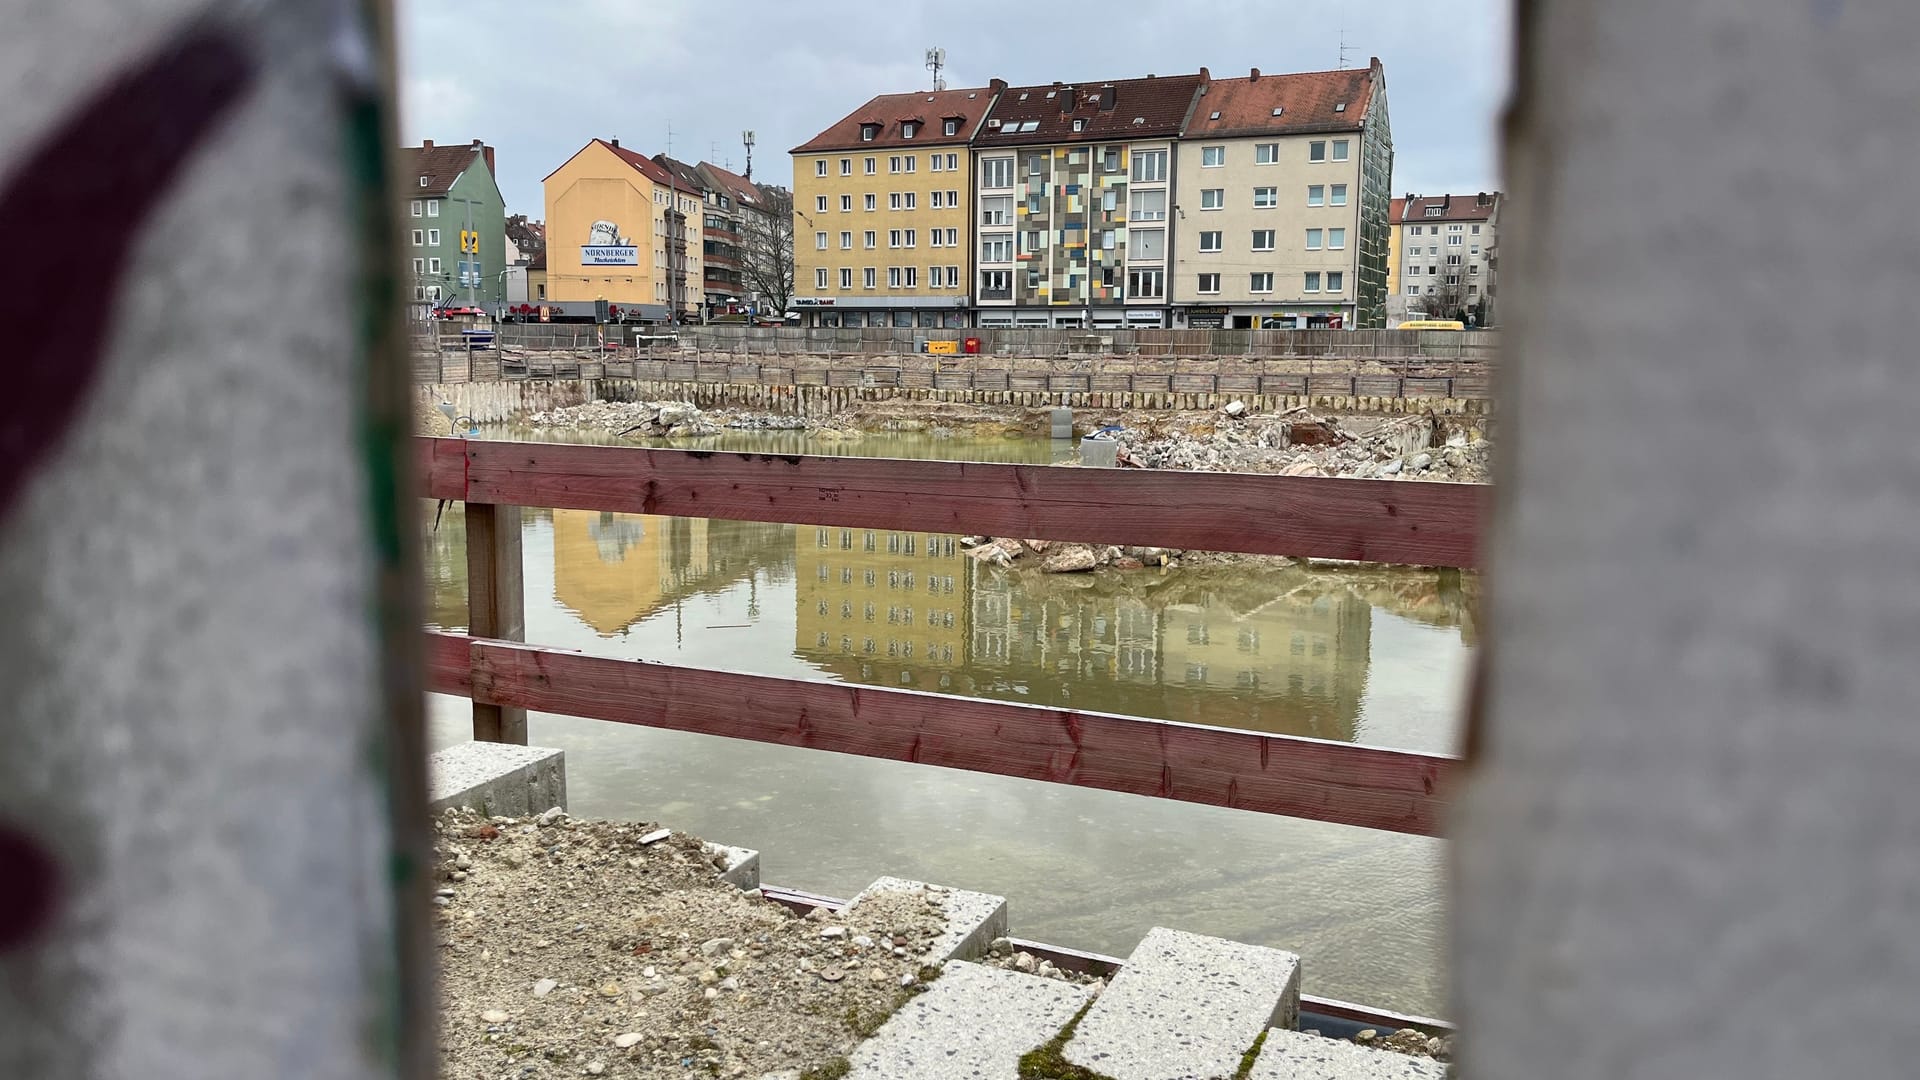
point(450, 663)
point(1427, 524)
point(1366, 786)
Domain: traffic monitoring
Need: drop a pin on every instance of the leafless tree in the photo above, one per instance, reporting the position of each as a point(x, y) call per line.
point(1445, 296)
point(766, 255)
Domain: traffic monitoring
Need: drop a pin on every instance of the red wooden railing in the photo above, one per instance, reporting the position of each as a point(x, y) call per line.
point(1372, 520)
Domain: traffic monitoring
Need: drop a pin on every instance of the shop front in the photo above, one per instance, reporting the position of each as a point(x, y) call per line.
point(1264, 317)
point(890, 311)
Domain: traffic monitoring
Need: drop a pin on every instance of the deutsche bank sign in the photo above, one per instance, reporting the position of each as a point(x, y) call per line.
point(609, 255)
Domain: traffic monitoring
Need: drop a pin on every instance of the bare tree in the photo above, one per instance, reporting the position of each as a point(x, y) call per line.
point(766, 249)
point(1445, 297)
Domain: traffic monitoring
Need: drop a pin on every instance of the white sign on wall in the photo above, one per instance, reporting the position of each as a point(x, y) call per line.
point(606, 247)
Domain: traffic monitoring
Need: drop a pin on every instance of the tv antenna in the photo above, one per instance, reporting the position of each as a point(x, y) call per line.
point(936, 61)
point(1344, 58)
point(746, 137)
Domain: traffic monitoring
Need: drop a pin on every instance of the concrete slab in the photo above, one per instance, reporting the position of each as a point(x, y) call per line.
point(1186, 1007)
point(741, 866)
point(973, 919)
point(972, 1024)
point(497, 779)
point(1291, 1055)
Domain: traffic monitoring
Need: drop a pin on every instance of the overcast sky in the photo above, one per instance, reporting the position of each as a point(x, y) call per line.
point(539, 80)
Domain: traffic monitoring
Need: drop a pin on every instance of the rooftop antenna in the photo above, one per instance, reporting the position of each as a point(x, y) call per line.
point(1344, 58)
point(936, 61)
point(746, 138)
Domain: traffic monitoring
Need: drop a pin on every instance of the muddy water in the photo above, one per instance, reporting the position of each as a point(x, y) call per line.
point(1376, 656)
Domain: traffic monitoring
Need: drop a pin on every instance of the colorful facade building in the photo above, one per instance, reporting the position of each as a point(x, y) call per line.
point(1075, 188)
point(881, 207)
point(455, 222)
point(1283, 202)
point(617, 230)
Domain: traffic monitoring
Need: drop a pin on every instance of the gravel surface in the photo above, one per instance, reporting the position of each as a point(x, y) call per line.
point(571, 949)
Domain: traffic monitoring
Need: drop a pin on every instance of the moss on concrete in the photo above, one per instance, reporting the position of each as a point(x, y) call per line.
point(1049, 1061)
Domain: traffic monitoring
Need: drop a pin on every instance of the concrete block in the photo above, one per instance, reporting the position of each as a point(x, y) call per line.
point(741, 868)
point(973, 919)
point(972, 1024)
point(1187, 1006)
point(1291, 1055)
point(497, 779)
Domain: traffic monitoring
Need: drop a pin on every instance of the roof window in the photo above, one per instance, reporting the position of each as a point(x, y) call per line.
point(1342, 107)
point(1278, 109)
point(1215, 115)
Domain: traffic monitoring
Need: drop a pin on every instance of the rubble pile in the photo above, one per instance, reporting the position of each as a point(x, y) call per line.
point(1302, 444)
point(659, 419)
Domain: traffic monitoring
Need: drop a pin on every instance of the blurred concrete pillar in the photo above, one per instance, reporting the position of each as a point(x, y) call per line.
point(209, 718)
point(1688, 847)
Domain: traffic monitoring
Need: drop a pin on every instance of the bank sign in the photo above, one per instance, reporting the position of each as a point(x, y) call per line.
point(609, 255)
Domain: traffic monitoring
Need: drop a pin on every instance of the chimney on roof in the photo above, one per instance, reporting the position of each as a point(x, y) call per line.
point(1254, 75)
point(1205, 75)
point(997, 84)
point(615, 143)
point(1066, 100)
point(484, 151)
point(426, 144)
point(1109, 94)
point(1485, 199)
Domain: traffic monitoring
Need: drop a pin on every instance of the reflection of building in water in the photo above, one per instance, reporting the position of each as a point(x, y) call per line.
point(613, 570)
point(1296, 667)
point(882, 607)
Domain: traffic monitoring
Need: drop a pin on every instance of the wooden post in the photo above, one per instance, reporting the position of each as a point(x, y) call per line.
point(496, 604)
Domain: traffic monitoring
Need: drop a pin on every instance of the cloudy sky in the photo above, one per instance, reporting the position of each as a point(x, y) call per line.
point(539, 80)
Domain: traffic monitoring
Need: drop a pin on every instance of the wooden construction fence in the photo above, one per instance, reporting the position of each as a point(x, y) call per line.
point(1370, 520)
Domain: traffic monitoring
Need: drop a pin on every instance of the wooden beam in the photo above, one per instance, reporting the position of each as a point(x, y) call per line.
point(495, 605)
point(1367, 786)
point(1429, 524)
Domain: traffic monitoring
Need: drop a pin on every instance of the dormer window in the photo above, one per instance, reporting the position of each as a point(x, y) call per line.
point(869, 132)
point(423, 181)
point(908, 127)
point(952, 127)
point(1079, 125)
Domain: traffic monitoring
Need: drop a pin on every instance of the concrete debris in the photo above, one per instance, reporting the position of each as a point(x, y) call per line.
point(660, 419)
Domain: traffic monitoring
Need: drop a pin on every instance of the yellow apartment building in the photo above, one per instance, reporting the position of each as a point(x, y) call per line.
point(617, 230)
point(882, 207)
point(612, 570)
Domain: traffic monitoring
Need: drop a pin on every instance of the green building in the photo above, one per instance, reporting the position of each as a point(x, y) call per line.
point(454, 225)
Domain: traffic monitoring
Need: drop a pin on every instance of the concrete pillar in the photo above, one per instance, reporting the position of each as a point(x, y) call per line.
point(1687, 844)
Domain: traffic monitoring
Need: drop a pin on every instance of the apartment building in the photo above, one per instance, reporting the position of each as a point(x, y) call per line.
point(881, 606)
point(617, 231)
point(1076, 183)
point(737, 265)
point(1444, 246)
point(455, 222)
point(881, 212)
point(1283, 202)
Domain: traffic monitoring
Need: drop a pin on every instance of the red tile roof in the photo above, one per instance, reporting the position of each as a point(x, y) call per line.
point(1308, 102)
point(685, 175)
point(1394, 207)
point(929, 107)
point(1107, 111)
point(441, 165)
point(1413, 209)
point(641, 163)
point(743, 191)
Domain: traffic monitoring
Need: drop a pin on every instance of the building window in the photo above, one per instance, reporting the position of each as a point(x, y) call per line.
point(1474, 269)
point(950, 127)
point(1336, 239)
point(846, 166)
point(1313, 239)
point(1474, 249)
point(1339, 149)
point(953, 277)
point(1456, 228)
point(893, 200)
point(910, 237)
point(910, 160)
point(820, 167)
point(1109, 200)
point(1317, 150)
point(1266, 196)
point(866, 278)
point(933, 277)
point(1210, 241)
point(870, 165)
point(433, 237)
point(893, 238)
point(1316, 194)
point(1435, 211)
point(433, 293)
point(820, 204)
point(419, 266)
point(996, 284)
point(907, 128)
point(933, 237)
point(846, 241)
point(937, 199)
point(1212, 157)
point(419, 238)
point(1339, 195)
point(1413, 271)
point(1209, 283)
point(913, 277)
point(542, 287)
point(1263, 239)
point(873, 239)
point(936, 159)
point(416, 208)
point(953, 162)
point(872, 201)
point(1453, 279)
point(1476, 230)
point(996, 210)
point(996, 172)
point(846, 277)
point(868, 132)
point(1149, 166)
point(819, 241)
point(893, 277)
point(1473, 290)
point(912, 199)
point(1147, 206)
point(1312, 283)
point(433, 207)
point(1266, 153)
point(1455, 239)
point(1336, 280)
point(953, 198)
point(1261, 282)
point(1079, 125)
point(1453, 260)
point(846, 204)
point(1030, 242)
point(820, 278)
point(1147, 244)
point(953, 237)
point(997, 248)
point(1213, 198)
point(1413, 290)
point(1146, 284)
